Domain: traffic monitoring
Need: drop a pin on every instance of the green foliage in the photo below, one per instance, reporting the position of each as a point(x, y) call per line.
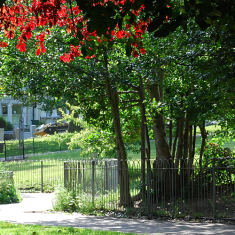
point(93, 140)
point(3, 122)
point(9, 127)
point(65, 200)
point(62, 199)
point(75, 200)
point(20, 229)
point(8, 192)
point(90, 139)
point(214, 150)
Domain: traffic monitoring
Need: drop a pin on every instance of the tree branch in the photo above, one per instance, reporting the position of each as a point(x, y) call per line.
point(127, 101)
point(127, 92)
point(130, 106)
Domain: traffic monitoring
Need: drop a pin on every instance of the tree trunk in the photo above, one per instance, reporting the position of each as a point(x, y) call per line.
point(203, 136)
point(162, 184)
point(190, 160)
point(186, 138)
point(179, 153)
point(190, 142)
point(143, 130)
point(170, 129)
point(194, 139)
point(162, 148)
point(175, 140)
point(125, 198)
point(145, 151)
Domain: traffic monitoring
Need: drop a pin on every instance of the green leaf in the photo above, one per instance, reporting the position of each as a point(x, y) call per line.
point(216, 13)
point(208, 21)
point(73, 41)
point(79, 25)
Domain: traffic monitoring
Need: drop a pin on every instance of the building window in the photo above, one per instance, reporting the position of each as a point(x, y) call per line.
point(16, 109)
point(16, 113)
point(4, 109)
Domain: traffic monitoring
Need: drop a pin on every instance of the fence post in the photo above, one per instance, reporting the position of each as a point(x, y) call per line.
point(93, 181)
point(33, 147)
point(5, 150)
point(83, 178)
point(106, 176)
point(42, 175)
point(79, 173)
point(213, 182)
point(23, 150)
point(66, 174)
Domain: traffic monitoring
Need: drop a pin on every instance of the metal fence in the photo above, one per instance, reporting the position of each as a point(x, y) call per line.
point(30, 146)
point(170, 188)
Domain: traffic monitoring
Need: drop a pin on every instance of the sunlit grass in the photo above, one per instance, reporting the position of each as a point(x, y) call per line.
point(20, 229)
point(29, 175)
point(50, 143)
point(67, 155)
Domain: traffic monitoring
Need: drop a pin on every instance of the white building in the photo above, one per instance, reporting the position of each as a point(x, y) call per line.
point(12, 110)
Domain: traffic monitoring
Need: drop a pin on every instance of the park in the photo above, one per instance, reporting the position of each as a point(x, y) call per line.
point(148, 89)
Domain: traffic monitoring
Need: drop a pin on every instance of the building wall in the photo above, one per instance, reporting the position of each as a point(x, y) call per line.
point(12, 110)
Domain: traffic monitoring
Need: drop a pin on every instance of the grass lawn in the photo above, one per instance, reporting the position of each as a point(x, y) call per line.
point(68, 155)
point(50, 143)
point(29, 175)
point(19, 229)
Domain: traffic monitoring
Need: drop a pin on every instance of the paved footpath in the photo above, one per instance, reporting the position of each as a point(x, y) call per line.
point(29, 211)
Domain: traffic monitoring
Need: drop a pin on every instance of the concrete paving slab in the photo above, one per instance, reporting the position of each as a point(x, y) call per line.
point(29, 211)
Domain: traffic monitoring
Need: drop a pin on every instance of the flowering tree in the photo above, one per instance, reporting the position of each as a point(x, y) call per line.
point(85, 38)
point(93, 28)
point(105, 20)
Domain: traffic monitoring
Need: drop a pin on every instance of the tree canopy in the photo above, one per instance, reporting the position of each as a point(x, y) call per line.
point(93, 23)
point(180, 74)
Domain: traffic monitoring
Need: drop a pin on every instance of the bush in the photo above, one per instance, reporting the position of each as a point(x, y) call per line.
point(71, 201)
point(8, 192)
point(3, 122)
point(61, 199)
point(9, 127)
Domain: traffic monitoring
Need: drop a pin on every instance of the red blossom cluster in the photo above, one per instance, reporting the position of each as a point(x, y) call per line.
point(57, 12)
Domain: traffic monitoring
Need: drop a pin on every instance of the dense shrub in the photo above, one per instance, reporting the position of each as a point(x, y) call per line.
point(9, 127)
point(8, 192)
point(71, 201)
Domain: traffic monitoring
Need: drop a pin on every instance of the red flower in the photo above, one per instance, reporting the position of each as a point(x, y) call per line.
point(142, 50)
point(38, 51)
point(135, 53)
point(11, 34)
point(3, 44)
